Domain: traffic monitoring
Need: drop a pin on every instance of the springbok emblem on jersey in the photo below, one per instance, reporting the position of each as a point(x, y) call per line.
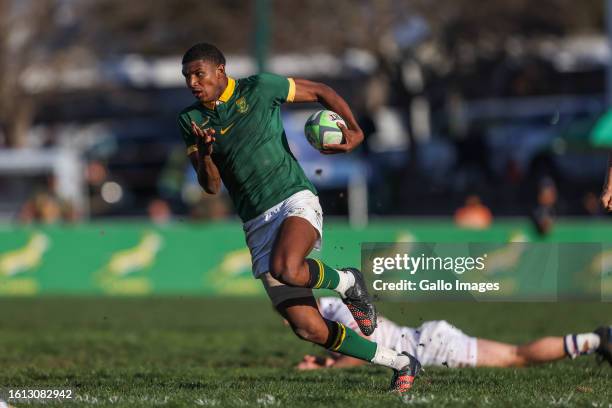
point(243, 107)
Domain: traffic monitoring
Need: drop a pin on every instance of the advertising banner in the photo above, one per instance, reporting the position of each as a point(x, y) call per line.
point(138, 259)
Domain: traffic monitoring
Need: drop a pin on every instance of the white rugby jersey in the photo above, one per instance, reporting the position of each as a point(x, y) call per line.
point(434, 343)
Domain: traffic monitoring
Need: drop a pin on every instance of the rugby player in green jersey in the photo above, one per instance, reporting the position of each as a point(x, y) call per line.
point(234, 133)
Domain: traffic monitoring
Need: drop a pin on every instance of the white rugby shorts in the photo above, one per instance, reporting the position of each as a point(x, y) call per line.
point(440, 343)
point(261, 231)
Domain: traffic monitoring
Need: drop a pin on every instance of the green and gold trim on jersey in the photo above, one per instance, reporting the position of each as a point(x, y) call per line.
point(291, 93)
point(243, 107)
point(225, 95)
point(229, 90)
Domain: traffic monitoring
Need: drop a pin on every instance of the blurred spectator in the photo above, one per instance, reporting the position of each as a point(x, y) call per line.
point(544, 214)
point(159, 212)
point(472, 167)
point(46, 207)
point(591, 204)
point(473, 214)
point(96, 175)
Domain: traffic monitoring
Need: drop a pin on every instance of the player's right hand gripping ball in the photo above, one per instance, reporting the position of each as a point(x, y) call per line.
point(322, 128)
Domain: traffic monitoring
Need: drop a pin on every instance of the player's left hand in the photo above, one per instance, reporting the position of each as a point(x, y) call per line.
point(310, 362)
point(352, 139)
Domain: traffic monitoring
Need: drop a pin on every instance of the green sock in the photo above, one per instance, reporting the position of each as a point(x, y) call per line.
point(351, 344)
point(322, 276)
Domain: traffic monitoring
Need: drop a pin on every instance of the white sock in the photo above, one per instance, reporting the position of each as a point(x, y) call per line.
point(347, 279)
point(580, 344)
point(390, 358)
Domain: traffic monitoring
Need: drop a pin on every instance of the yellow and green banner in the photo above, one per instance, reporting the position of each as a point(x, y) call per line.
point(137, 259)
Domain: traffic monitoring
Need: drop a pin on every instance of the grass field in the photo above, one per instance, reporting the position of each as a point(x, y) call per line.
point(183, 352)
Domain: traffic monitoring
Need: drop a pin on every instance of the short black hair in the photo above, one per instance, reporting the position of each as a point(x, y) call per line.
point(205, 52)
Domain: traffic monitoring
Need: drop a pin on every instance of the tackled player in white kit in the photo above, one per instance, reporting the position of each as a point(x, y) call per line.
point(439, 343)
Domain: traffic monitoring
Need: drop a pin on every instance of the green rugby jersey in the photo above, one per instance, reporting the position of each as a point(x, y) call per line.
point(251, 149)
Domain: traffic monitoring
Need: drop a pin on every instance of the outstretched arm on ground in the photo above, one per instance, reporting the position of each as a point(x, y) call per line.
point(308, 91)
point(496, 354)
point(310, 362)
point(542, 350)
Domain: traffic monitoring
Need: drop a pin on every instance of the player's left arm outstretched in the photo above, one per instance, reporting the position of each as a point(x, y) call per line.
point(310, 362)
point(309, 91)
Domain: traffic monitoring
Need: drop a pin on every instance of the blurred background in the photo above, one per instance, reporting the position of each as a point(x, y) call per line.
point(475, 118)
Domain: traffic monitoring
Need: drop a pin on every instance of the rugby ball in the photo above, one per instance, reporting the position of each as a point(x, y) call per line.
point(322, 128)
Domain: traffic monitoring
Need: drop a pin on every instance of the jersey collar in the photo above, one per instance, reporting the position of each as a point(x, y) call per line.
point(226, 95)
